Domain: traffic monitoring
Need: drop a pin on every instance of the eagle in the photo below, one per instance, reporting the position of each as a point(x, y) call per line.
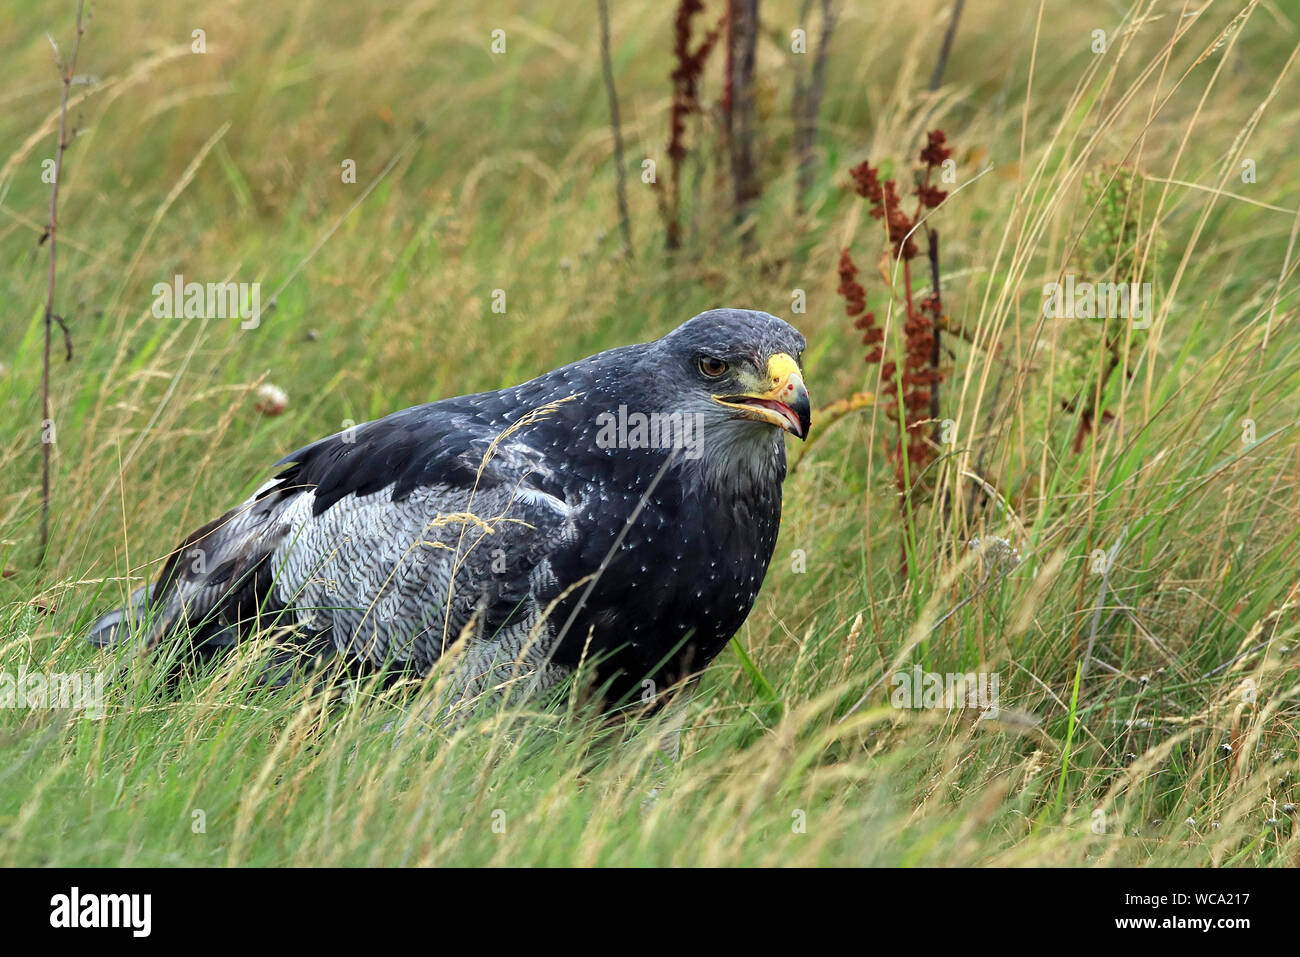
point(618, 513)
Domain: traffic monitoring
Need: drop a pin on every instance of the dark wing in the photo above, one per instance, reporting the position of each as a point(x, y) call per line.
point(388, 541)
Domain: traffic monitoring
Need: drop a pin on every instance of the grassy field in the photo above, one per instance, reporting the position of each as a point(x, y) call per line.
point(1147, 645)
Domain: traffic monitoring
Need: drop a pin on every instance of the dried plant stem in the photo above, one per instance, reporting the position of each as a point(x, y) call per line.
point(616, 126)
point(729, 67)
point(807, 103)
point(932, 250)
point(51, 230)
point(687, 68)
point(937, 76)
point(910, 381)
point(741, 115)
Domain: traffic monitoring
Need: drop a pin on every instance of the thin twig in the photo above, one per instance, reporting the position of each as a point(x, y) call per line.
point(51, 229)
point(743, 116)
point(937, 76)
point(616, 125)
point(807, 104)
point(932, 250)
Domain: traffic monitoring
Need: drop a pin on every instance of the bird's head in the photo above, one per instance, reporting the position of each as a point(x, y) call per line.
point(742, 366)
point(735, 375)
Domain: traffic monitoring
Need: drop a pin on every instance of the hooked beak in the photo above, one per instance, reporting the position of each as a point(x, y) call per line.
point(782, 400)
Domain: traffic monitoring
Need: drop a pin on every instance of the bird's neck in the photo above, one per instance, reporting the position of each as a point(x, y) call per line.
point(741, 461)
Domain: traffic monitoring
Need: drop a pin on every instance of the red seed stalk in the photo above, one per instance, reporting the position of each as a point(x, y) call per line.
point(918, 365)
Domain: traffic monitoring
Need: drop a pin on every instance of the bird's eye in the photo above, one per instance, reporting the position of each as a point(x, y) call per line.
point(712, 366)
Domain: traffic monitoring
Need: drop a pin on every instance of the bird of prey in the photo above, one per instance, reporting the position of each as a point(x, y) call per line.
point(620, 511)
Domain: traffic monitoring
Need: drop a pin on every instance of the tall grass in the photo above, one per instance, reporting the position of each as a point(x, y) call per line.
point(1149, 698)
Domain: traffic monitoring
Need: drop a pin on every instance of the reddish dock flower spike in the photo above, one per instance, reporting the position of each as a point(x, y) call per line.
point(915, 374)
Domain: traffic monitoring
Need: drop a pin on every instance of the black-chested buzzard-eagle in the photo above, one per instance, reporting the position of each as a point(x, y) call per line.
point(621, 510)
